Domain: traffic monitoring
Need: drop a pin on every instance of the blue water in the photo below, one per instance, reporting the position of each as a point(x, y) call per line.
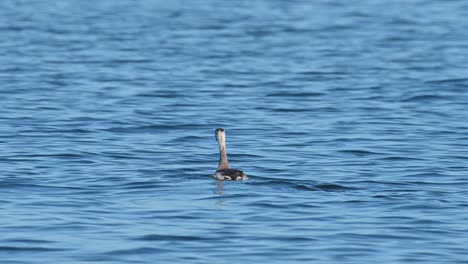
point(350, 119)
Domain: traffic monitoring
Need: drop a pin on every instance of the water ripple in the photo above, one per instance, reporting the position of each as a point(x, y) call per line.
point(350, 120)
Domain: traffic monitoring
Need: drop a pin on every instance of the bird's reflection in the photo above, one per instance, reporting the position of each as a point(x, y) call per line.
point(220, 191)
point(219, 188)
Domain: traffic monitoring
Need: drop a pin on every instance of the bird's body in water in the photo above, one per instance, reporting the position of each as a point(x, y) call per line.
point(224, 172)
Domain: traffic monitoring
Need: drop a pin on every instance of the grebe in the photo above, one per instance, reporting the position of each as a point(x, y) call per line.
point(224, 173)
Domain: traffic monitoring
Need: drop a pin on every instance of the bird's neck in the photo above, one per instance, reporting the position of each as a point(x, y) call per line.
point(223, 162)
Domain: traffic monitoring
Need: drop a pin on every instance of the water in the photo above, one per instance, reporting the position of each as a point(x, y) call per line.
point(351, 121)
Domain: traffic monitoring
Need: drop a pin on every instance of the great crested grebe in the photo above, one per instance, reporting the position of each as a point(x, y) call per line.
point(224, 173)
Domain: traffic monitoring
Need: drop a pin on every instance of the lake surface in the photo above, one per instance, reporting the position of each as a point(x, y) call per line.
point(351, 121)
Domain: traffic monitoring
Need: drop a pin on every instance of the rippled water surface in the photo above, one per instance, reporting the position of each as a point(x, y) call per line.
point(351, 121)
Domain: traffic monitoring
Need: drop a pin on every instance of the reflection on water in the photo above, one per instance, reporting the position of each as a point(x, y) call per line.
point(219, 188)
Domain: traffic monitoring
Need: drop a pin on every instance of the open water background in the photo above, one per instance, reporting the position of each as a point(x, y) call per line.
point(349, 118)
